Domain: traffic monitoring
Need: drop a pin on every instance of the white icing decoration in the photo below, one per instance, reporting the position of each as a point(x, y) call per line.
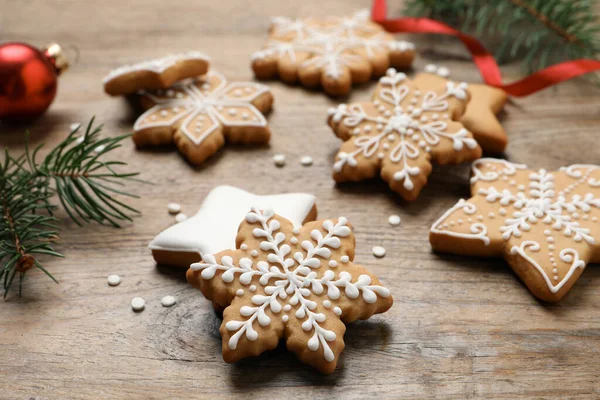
point(478, 230)
point(290, 278)
point(392, 92)
point(332, 46)
point(194, 103)
point(569, 256)
point(158, 65)
point(538, 202)
point(214, 227)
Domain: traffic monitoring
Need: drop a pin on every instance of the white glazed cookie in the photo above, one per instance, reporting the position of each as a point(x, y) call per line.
point(215, 225)
point(199, 114)
point(545, 224)
point(154, 74)
point(331, 52)
point(299, 284)
point(401, 131)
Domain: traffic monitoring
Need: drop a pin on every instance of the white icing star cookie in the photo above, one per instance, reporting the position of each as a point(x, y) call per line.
point(215, 225)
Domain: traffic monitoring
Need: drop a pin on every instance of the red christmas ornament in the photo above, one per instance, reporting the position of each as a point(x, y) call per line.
point(28, 78)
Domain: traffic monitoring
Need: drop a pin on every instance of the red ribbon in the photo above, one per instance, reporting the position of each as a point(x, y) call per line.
point(485, 61)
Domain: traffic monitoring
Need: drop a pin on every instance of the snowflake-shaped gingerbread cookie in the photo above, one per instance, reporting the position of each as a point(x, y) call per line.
point(299, 284)
point(400, 131)
point(330, 52)
point(545, 224)
point(199, 114)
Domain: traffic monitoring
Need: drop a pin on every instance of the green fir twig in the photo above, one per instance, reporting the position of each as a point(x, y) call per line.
point(535, 32)
point(75, 173)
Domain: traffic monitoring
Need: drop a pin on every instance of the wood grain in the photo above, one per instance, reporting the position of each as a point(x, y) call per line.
point(460, 327)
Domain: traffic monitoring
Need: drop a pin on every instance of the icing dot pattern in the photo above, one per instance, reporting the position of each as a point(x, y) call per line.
point(519, 207)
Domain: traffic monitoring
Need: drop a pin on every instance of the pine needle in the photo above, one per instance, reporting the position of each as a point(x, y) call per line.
point(74, 171)
point(536, 33)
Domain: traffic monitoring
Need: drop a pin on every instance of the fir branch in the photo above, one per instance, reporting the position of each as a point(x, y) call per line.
point(535, 32)
point(73, 172)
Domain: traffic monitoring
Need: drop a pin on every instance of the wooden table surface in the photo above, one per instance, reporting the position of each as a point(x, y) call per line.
point(460, 327)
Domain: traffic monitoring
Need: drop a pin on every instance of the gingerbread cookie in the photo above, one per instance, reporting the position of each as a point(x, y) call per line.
point(400, 131)
point(215, 225)
point(545, 224)
point(155, 74)
point(283, 282)
point(480, 115)
point(332, 53)
point(199, 114)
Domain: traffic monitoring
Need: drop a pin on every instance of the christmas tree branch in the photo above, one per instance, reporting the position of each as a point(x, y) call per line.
point(84, 184)
point(535, 32)
point(544, 20)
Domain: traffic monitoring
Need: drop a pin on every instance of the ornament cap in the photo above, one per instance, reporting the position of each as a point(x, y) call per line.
point(57, 57)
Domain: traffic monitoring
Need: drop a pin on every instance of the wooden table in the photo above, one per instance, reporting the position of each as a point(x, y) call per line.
point(460, 327)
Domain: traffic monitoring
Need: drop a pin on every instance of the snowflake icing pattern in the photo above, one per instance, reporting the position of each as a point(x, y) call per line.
point(302, 278)
point(400, 130)
point(334, 46)
point(197, 109)
point(561, 208)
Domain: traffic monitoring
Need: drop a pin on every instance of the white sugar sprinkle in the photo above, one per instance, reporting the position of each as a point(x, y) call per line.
point(138, 304)
point(114, 280)
point(394, 220)
point(74, 126)
point(306, 161)
point(99, 148)
point(180, 217)
point(174, 208)
point(168, 301)
point(378, 251)
point(279, 160)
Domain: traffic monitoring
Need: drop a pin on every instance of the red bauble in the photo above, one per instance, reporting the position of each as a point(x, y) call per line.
point(28, 78)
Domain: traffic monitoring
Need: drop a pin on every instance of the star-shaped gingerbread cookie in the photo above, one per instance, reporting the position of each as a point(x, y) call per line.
point(331, 52)
point(154, 74)
point(402, 129)
point(215, 225)
point(283, 282)
point(545, 224)
point(480, 114)
point(199, 114)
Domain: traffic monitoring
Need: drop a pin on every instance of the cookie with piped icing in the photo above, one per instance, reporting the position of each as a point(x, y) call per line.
point(198, 115)
point(296, 284)
point(155, 74)
point(214, 227)
point(480, 116)
point(331, 53)
point(401, 131)
point(545, 224)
